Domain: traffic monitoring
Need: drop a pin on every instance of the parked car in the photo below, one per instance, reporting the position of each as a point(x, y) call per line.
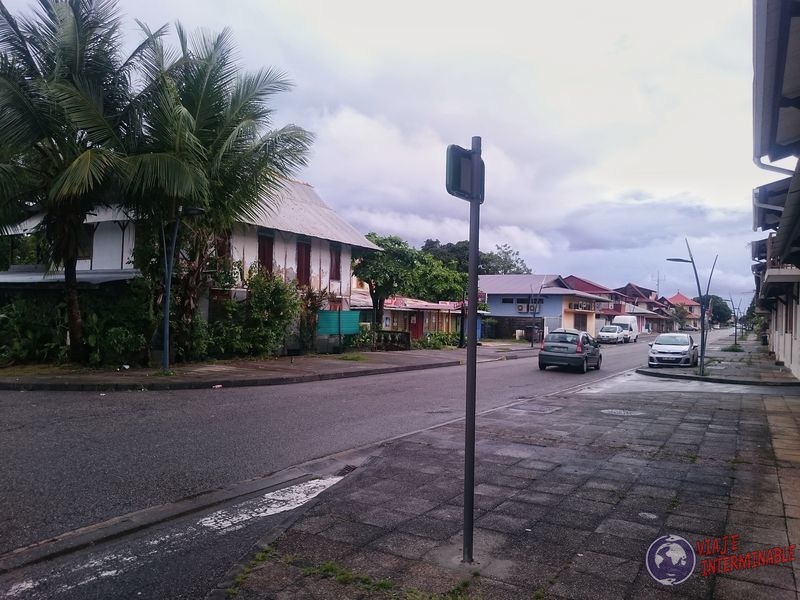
point(674, 349)
point(630, 327)
point(570, 348)
point(611, 334)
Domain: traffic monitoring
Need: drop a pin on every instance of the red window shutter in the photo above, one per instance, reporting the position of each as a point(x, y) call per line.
point(265, 252)
point(336, 262)
point(303, 263)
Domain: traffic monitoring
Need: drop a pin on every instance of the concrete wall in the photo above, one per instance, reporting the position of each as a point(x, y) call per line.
point(784, 340)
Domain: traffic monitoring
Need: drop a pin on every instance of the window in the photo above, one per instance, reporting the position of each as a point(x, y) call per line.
point(336, 262)
point(265, 251)
point(508, 301)
point(580, 321)
point(303, 263)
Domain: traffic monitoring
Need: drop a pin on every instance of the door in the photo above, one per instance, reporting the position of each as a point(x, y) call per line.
point(415, 325)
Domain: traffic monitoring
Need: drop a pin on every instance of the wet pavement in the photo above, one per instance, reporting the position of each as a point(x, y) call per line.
point(572, 490)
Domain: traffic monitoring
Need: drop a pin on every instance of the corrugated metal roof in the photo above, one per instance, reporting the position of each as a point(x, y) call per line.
point(518, 284)
point(300, 210)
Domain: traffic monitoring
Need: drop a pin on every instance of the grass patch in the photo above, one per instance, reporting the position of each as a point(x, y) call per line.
point(732, 348)
point(353, 356)
point(259, 559)
point(330, 570)
point(673, 504)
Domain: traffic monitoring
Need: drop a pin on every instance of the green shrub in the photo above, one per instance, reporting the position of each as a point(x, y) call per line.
point(437, 340)
point(272, 306)
point(32, 330)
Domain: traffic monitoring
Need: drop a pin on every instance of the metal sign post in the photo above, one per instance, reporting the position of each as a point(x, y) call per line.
point(465, 179)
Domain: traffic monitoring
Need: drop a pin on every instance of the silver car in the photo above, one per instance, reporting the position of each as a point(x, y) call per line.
point(673, 349)
point(611, 334)
point(570, 348)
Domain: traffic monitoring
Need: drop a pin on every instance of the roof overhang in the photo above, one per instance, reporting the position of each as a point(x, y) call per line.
point(20, 278)
point(776, 81)
point(768, 204)
point(758, 249)
point(777, 282)
point(787, 238)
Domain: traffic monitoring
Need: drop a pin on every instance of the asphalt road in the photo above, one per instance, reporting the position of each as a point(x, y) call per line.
point(73, 459)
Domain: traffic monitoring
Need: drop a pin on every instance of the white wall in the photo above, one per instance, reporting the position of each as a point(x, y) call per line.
point(112, 248)
point(244, 247)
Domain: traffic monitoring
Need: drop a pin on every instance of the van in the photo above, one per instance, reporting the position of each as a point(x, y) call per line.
point(630, 327)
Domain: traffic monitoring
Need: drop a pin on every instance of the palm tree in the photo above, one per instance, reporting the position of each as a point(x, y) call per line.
point(246, 162)
point(71, 128)
point(64, 91)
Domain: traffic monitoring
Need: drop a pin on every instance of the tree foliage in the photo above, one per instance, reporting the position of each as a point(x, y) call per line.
point(680, 314)
point(432, 280)
point(720, 311)
point(503, 260)
point(387, 272)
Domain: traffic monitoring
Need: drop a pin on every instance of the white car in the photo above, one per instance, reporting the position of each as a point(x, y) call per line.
point(674, 349)
point(611, 334)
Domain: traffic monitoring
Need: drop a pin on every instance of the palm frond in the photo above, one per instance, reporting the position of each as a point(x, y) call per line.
point(85, 174)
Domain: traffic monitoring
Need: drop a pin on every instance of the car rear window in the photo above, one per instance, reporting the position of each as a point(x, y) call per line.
point(610, 328)
point(564, 338)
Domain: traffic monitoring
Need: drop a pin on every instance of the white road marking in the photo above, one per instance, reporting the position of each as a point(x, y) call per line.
point(221, 522)
point(269, 504)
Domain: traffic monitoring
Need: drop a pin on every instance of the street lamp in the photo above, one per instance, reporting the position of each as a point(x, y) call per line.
point(690, 260)
point(169, 261)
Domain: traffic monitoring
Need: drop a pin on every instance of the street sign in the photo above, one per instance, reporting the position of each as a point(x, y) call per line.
point(459, 177)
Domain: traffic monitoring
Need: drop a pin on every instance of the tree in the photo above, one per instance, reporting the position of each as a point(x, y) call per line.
point(387, 272)
point(430, 279)
point(720, 311)
point(503, 261)
point(245, 161)
point(66, 102)
point(680, 314)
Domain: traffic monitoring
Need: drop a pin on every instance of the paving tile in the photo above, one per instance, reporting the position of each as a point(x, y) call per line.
point(356, 534)
point(535, 497)
point(707, 527)
point(606, 566)
point(734, 589)
point(627, 529)
point(428, 578)
point(504, 522)
point(382, 517)
point(405, 545)
point(311, 547)
point(577, 585)
point(577, 520)
point(773, 537)
point(426, 526)
point(376, 564)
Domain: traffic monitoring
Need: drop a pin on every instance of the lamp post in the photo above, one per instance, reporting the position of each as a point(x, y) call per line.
point(703, 298)
point(169, 262)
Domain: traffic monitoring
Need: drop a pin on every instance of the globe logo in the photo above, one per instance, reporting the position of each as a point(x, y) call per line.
point(670, 560)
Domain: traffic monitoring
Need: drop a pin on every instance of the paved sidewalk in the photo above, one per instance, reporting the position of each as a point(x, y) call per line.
point(252, 372)
point(754, 364)
point(571, 490)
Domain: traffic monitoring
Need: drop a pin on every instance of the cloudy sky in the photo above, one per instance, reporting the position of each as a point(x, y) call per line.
point(611, 130)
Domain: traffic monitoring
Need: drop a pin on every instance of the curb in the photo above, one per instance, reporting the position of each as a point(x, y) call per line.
point(70, 386)
point(194, 384)
point(713, 379)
